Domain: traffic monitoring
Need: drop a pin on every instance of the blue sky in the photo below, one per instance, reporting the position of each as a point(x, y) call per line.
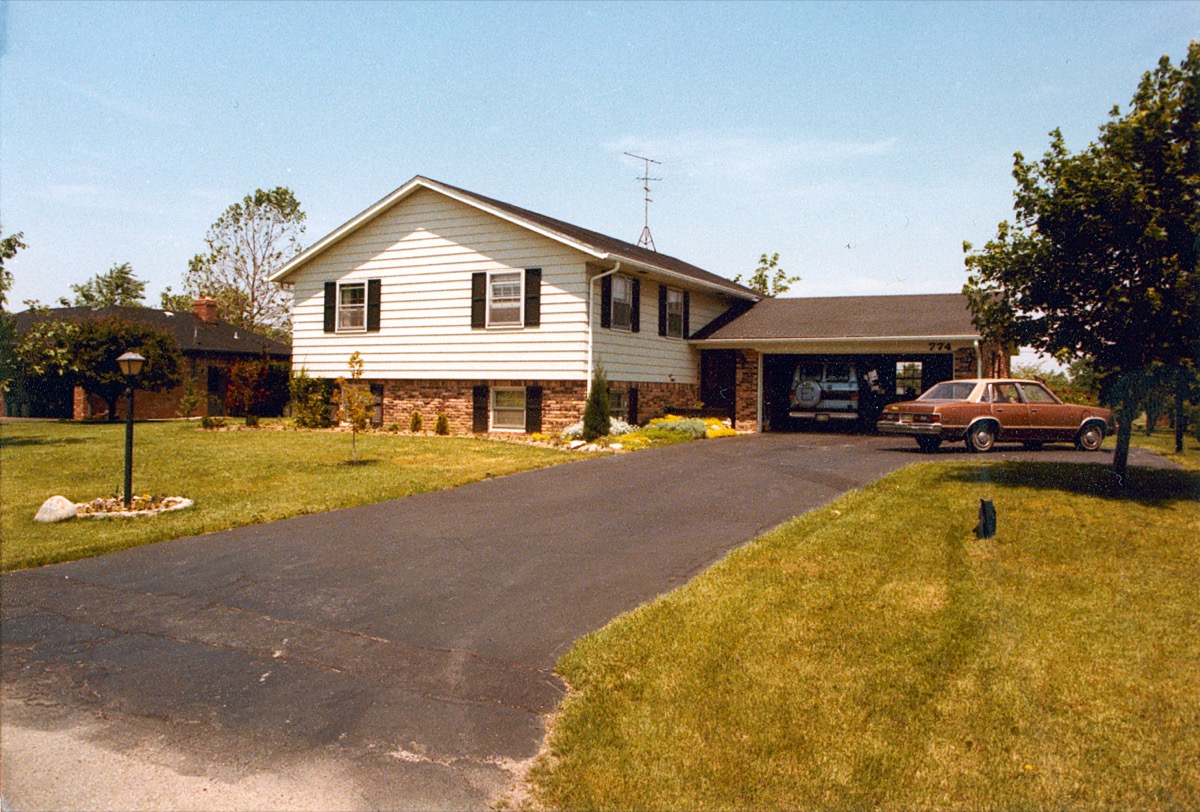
point(863, 142)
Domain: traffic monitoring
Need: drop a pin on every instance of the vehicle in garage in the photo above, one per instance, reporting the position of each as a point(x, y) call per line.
point(984, 411)
point(824, 391)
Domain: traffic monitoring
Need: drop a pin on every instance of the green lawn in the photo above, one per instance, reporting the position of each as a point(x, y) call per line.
point(1164, 443)
point(875, 654)
point(235, 477)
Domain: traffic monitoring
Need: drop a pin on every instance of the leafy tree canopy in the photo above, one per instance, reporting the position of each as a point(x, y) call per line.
point(95, 346)
point(768, 278)
point(118, 286)
point(251, 240)
point(9, 246)
point(1100, 261)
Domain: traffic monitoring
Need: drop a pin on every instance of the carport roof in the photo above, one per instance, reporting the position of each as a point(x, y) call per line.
point(942, 315)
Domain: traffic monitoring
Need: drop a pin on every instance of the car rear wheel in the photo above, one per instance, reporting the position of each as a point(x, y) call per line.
point(929, 444)
point(1090, 437)
point(981, 437)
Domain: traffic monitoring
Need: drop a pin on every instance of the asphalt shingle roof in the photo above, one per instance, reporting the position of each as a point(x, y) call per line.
point(191, 335)
point(914, 315)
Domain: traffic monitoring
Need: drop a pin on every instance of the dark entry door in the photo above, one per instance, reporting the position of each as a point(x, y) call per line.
point(718, 379)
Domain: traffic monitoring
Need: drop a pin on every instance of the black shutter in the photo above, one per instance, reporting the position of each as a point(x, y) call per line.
point(330, 307)
point(687, 314)
point(606, 302)
point(635, 316)
point(632, 405)
point(479, 300)
point(374, 295)
point(533, 409)
point(479, 413)
point(533, 297)
point(662, 310)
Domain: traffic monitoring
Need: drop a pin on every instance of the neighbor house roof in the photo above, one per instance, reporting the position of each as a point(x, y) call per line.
point(192, 336)
point(935, 315)
point(593, 243)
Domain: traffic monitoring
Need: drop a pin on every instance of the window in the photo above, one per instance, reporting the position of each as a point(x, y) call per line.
point(618, 404)
point(1037, 394)
point(674, 313)
point(622, 303)
point(1005, 393)
point(352, 308)
point(504, 300)
point(508, 409)
point(908, 378)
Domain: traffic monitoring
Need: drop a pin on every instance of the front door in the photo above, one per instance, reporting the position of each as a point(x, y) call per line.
point(718, 379)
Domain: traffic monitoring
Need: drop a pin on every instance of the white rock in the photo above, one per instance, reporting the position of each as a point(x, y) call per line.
point(55, 509)
point(576, 444)
point(616, 447)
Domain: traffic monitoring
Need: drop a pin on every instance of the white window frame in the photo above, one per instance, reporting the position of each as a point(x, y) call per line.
point(520, 320)
point(627, 284)
point(618, 403)
point(678, 295)
point(492, 423)
point(346, 310)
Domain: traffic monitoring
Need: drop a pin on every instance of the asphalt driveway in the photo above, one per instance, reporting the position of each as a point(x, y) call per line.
point(398, 655)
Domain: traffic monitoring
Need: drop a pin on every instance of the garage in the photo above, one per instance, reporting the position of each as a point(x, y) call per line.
point(815, 363)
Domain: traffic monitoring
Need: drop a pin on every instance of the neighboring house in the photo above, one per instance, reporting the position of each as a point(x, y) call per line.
point(209, 348)
point(497, 316)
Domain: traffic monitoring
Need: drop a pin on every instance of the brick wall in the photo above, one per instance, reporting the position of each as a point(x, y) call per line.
point(996, 362)
point(745, 408)
point(562, 402)
point(656, 399)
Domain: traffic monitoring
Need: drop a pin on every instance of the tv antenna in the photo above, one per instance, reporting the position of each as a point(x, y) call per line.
point(646, 241)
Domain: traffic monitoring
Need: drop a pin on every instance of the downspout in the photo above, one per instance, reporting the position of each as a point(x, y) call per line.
point(591, 330)
point(978, 360)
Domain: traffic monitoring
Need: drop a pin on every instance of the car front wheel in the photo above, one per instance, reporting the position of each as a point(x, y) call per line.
point(981, 437)
point(1090, 438)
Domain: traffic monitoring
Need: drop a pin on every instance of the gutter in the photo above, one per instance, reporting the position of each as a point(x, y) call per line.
point(591, 337)
point(978, 360)
point(750, 343)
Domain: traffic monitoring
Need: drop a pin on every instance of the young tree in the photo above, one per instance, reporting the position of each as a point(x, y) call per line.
point(597, 411)
point(249, 241)
point(1101, 261)
point(768, 278)
point(356, 402)
point(117, 286)
point(95, 346)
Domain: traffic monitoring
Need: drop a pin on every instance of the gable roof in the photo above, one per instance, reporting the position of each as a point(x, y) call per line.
point(592, 243)
point(192, 336)
point(940, 315)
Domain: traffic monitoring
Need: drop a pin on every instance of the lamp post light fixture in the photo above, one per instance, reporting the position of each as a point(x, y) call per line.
point(131, 366)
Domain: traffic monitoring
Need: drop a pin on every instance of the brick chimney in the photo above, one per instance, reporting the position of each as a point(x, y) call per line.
point(205, 309)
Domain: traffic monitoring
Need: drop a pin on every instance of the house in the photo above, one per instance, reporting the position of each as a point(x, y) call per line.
point(497, 316)
point(208, 345)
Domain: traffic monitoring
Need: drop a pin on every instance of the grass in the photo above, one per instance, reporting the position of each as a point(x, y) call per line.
point(236, 478)
point(1163, 442)
point(875, 654)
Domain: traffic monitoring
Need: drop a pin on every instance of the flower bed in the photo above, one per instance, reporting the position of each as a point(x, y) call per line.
point(144, 505)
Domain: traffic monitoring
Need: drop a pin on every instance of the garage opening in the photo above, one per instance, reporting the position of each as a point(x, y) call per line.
point(823, 392)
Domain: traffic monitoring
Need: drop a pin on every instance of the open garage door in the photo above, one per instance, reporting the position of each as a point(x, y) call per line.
point(807, 392)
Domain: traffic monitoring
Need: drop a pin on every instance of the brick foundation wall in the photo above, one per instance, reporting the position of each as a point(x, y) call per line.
point(146, 405)
point(656, 399)
point(562, 402)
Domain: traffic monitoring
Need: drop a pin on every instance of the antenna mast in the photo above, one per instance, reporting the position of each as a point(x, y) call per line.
point(646, 241)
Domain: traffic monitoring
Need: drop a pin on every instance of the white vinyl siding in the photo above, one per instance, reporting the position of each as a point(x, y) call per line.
point(647, 356)
point(507, 409)
point(424, 250)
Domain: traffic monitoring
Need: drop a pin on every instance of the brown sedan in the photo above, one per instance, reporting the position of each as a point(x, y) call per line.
point(984, 411)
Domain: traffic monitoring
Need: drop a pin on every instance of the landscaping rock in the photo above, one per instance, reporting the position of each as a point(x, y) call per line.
point(576, 444)
point(55, 509)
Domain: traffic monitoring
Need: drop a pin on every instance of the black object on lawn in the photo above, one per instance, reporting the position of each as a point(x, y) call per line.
point(987, 520)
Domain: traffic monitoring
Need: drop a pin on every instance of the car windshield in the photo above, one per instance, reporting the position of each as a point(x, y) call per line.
point(949, 390)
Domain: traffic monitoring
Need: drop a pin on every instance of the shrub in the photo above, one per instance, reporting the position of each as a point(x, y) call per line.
point(312, 404)
point(597, 411)
point(211, 422)
point(692, 427)
point(393, 427)
point(442, 426)
point(189, 398)
point(414, 424)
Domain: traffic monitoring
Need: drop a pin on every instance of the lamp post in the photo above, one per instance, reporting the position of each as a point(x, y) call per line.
point(130, 364)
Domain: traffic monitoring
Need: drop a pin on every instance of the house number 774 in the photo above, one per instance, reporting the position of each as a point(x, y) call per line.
point(939, 346)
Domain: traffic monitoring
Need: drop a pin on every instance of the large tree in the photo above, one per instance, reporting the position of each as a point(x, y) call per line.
point(1101, 259)
point(768, 278)
point(117, 286)
point(9, 246)
point(249, 242)
point(95, 345)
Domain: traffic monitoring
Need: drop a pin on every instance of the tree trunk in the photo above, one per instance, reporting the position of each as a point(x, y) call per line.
point(1124, 434)
point(112, 407)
